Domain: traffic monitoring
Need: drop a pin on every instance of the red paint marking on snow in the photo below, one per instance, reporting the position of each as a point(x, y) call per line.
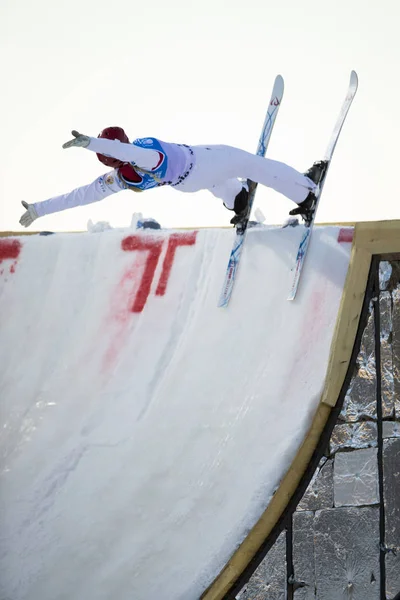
point(135, 285)
point(153, 247)
point(126, 293)
point(175, 240)
point(312, 323)
point(9, 249)
point(311, 327)
point(117, 320)
point(345, 235)
point(113, 350)
point(12, 268)
point(132, 293)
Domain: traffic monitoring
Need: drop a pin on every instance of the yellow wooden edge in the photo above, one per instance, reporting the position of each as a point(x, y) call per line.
point(347, 323)
point(369, 238)
point(17, 233)
point(380, 237)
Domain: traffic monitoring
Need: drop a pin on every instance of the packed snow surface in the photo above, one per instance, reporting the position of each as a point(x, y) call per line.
point(144, 429)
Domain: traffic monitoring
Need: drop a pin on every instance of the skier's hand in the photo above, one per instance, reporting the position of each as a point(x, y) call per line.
point(79, 140)
point(29, 216)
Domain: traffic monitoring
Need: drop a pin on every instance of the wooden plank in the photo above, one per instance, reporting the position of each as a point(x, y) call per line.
point(370, 238)
point(347, 324)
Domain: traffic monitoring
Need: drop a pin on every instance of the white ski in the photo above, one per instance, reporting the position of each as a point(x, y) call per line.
point(241, 228)
point(305, 240)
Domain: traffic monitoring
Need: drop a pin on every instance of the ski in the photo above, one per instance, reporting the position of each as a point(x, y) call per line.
point(305, 240)
point(241, 227)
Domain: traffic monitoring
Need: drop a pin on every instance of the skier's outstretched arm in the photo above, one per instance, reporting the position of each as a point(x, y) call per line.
point(97, 190)
point(146, 158)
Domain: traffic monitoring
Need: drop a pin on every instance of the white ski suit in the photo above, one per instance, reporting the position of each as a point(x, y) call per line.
point(149, 163)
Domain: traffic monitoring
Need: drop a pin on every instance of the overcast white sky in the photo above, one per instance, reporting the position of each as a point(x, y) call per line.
point(197, 72)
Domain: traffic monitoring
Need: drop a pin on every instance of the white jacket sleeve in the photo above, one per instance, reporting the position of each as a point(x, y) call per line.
point(142, 157)
point(98, 190)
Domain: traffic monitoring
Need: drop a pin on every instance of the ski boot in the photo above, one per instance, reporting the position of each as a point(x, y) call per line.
point(317, 171)
point(241, 207)
point(307, 208)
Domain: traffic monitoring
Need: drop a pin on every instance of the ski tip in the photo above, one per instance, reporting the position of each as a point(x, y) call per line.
point(279, 85)
point(353, 79)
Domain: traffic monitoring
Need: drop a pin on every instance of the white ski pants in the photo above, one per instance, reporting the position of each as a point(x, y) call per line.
point(217, 169)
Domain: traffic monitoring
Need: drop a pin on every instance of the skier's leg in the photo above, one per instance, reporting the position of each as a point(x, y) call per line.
point(214, 165)
point(227, 192)
point(235, 197)
point(271, 173)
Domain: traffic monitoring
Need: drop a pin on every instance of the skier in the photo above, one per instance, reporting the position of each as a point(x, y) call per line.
point(148, 162)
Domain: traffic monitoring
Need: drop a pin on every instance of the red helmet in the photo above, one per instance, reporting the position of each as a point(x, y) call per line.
point(112, 133)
